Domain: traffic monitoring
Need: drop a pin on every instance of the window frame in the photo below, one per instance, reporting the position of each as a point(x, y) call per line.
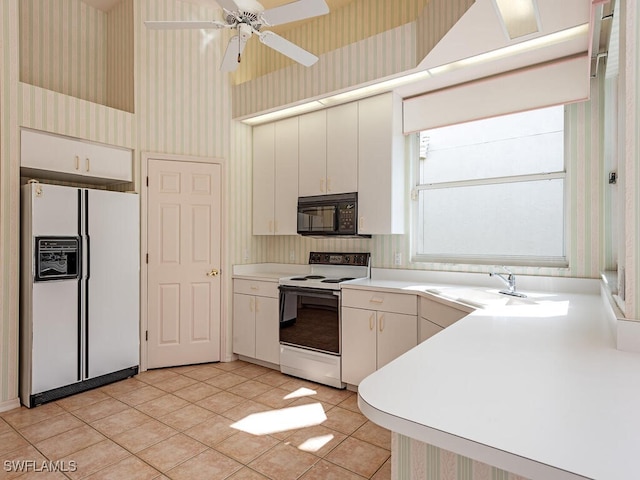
point(480, 259)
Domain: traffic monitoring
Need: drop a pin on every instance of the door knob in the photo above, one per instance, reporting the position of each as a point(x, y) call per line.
point(213, 273)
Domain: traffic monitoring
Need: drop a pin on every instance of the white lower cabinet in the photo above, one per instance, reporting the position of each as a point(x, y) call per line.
point(255, 320)
point(376, 328)
point(436, 316)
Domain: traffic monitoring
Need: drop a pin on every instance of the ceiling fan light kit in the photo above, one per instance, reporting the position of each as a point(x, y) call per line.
point(248, 17)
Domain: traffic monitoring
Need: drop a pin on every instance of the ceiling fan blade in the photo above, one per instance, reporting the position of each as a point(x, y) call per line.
point(287, 48)
point(173, 25)
point(229, 5)
point(252, 6)
point(230, 61)
point(294, 11)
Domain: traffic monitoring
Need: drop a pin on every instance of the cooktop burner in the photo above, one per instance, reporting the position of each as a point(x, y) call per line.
point(329, 269)
point(337, 280)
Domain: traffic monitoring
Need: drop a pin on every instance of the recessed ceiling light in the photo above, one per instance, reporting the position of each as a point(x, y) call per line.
point(518, 16)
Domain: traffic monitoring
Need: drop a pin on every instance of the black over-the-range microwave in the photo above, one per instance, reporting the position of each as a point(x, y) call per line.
point(335, 214)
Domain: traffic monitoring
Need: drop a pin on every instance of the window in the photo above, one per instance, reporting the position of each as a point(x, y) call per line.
point(492, 191)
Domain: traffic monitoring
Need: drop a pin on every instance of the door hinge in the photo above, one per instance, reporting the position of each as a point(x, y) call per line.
point(147, 181)
point(146, 335)
point(147, 258)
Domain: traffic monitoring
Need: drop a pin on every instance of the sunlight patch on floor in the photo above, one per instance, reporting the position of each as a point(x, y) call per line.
point(314, 444)
point(284, 419)
point(301, 392)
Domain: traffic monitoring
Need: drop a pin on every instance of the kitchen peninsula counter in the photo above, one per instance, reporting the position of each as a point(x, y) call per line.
point(535, 386)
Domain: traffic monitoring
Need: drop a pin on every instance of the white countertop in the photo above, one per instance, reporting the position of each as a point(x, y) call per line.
point(268, 272)
point(538, 390)
point(534, 387)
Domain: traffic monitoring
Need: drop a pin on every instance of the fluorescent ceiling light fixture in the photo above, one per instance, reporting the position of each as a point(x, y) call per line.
point(533, 44)
point(287, 112)
point(339, 98)
point(373, 89)
point(518, 16)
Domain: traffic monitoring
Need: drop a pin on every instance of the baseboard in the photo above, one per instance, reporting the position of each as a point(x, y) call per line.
point(7, 405)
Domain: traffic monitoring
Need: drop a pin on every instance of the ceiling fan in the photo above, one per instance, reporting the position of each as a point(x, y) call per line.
point(248, 17)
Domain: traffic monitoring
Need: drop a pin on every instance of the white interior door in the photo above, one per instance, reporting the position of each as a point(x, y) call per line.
point(184, 231)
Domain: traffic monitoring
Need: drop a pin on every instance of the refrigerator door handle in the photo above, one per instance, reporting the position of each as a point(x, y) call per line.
point(80, 286)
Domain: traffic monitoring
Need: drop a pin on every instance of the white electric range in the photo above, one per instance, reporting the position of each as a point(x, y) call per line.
point(310, 333)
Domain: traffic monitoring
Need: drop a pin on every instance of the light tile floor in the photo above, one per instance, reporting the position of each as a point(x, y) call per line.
point(232, 421)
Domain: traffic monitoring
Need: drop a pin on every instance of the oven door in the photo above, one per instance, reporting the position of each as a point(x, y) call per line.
point(310, 318)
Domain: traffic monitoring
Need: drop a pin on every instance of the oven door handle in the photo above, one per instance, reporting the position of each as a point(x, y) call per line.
point(309, 291)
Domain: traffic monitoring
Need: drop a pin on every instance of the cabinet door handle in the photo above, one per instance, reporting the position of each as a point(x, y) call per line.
point(77, 162)
point(372, 321)
point(255, 287)
point(87, 164)
point(376, 299)
point(381, 323)
point(361, 223)
point(322, 185)
point(252, 303)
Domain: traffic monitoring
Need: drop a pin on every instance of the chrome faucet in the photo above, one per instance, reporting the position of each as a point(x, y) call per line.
point(509, 281)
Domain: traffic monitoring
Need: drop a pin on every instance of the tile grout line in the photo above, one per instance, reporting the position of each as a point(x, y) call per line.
point(151, 380)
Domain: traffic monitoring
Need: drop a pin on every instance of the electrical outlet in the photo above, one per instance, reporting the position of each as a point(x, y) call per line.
point(397, 259)
point(292, 255)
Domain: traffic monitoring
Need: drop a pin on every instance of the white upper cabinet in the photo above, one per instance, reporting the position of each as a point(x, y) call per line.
point(275, 178)
point(46, 155)
point(264, 170)
point(381, 186)
point(342, 148)
point(286, 177)
point(313, 154)
point(329, 151)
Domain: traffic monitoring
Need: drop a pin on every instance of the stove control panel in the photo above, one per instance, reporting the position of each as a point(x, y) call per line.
point(356, 259)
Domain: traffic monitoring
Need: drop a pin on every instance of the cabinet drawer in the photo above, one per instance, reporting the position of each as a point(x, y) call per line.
point(256, 287)
point(381, 301)
point(442, 315)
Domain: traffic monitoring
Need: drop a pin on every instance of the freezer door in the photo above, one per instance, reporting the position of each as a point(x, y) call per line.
point(50, 322)
point(55, 353)
point(54, 210)
point(113, 310)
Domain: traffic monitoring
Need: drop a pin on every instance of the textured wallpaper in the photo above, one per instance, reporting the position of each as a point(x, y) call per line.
point(63, 48)
point(356, 21)
point(415, 460)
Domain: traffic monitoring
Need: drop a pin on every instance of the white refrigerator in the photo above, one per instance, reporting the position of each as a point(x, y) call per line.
point(80, 297)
